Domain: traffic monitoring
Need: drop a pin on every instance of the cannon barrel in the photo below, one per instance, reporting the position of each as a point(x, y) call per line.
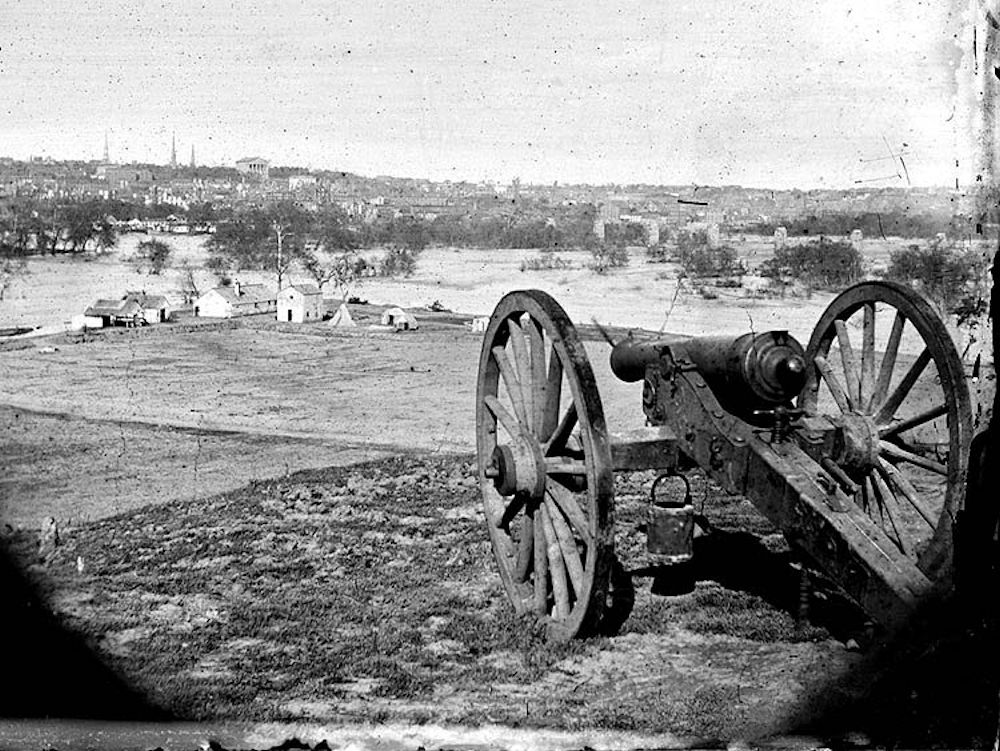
point(630, 356)
point(751, 371)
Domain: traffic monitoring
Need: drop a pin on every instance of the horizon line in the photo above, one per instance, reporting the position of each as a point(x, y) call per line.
point(856, 186)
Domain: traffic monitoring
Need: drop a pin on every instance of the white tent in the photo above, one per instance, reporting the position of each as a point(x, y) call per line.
point(399, 318)
point(342, 317)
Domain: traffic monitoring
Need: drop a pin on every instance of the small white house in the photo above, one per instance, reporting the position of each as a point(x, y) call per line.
point(399, 319)
point(84, 322)
point(238, 300)
point(480, 324)
point(123, 312)
point(155, 308)
point(300, 303)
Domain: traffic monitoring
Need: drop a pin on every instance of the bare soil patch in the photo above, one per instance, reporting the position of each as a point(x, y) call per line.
point(76, 469)
point(124, 418)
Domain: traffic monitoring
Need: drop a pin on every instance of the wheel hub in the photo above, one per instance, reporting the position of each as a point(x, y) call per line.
point(858, 447)
point(519, 467)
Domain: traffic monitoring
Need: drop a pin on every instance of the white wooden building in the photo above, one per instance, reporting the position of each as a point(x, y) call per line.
point(155, 308)
point(300, 303)
point(132, 309)
point(238, 300)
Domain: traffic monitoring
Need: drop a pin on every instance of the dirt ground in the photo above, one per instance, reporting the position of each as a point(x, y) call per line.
point(224, 556)
point(124, 418)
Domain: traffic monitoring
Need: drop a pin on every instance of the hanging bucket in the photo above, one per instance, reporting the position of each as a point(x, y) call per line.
point(670, 522)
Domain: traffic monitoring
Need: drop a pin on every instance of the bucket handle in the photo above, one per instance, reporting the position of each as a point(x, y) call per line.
point(666, 476)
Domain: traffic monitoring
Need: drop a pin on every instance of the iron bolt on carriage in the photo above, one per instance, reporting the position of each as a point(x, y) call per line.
point(855, 446)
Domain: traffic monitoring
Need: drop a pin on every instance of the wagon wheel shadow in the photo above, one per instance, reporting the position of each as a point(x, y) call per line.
point(620, 600)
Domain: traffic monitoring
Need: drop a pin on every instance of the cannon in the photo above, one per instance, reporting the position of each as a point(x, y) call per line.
point(855, 446)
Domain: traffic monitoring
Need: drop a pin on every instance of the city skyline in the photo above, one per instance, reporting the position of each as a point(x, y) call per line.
point(773, 94)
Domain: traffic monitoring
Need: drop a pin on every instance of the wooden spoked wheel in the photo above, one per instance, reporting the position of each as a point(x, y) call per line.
point(545, 464)
point(884, 367)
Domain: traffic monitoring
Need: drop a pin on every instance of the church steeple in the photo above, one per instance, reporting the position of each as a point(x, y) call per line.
point(192, 156)
point(107, 151)
point(173, 151)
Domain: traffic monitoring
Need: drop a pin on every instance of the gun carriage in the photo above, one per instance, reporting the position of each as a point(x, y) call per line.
point(855, 446)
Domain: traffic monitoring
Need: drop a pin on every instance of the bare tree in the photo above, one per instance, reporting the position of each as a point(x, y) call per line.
point(343, 270)
point(264, 239)
point(333, 256)
point(188, 284)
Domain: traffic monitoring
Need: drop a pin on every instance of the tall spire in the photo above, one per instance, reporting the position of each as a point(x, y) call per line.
point(192, 156)
point(173, 150)
point(107, 151)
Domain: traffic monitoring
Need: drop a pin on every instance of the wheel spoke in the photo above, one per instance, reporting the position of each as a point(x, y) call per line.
point(912, 422)
point(553, 393)
point(901, 454)
point(830, 379)
point(885, 505)
point(867, 355)
point(539, 381)
point(887, 410)
point(557, 568)
point(874, 502)
point(525, 547)
point(850, 363)
point(899, 481)
point(567, 503)
point(523, 367)
point(888, 362)
point(541, 583)
point(868, 495)
point(512, 384)
point(515, 504)
point(500, 412)
point(560, 465)
point(567, 546)
point(562, 432)
point(810, 394)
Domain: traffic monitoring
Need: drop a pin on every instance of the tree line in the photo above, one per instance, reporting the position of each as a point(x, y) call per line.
point(32, 227)
point(896, 223)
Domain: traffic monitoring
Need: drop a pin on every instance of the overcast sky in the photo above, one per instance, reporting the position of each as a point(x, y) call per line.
point(778, 93)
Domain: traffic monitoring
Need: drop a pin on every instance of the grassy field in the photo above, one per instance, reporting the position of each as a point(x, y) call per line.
point(368, 593)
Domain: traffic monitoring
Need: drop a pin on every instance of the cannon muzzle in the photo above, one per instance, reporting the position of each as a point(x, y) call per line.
point(752, 370)
point(630, 357)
